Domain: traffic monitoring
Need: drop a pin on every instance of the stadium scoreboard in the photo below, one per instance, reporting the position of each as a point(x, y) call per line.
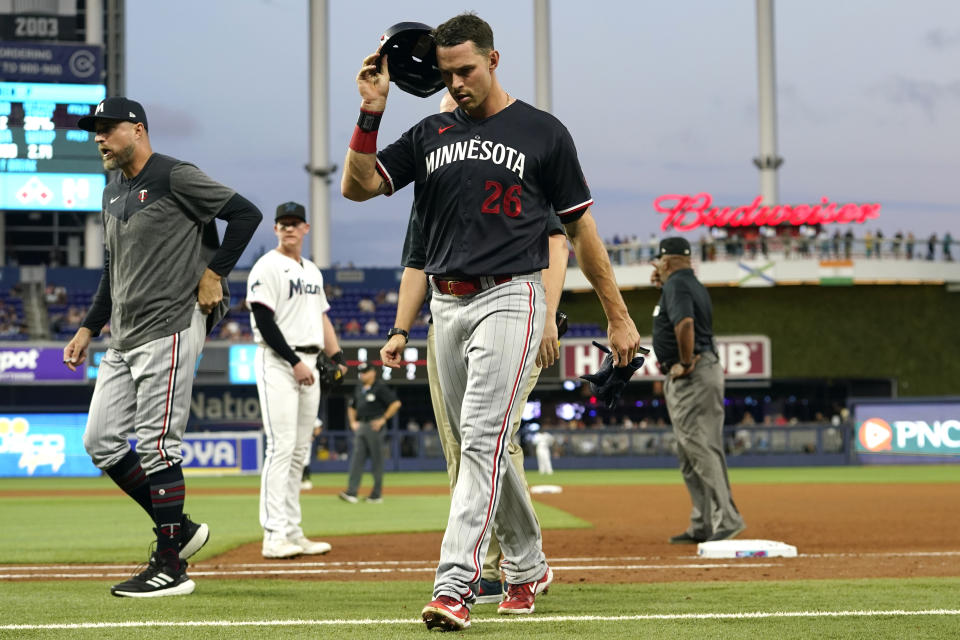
point(46, 162)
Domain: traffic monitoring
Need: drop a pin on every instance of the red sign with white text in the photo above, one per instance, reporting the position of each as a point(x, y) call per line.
point(686, 212)
point(740, 356)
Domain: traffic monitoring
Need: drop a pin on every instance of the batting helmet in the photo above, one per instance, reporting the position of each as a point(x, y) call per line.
point(413, 58)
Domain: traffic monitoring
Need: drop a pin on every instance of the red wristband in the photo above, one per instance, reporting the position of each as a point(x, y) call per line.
point(363, 141)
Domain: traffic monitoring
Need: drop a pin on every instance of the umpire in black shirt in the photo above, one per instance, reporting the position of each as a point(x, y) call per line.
point(683, 343)
point(372, 406)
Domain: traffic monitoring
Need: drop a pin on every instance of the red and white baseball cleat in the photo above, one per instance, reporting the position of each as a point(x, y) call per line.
point(520, 597)
point(446, 614)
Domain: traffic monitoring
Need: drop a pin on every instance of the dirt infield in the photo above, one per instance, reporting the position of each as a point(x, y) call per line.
point(840, 531)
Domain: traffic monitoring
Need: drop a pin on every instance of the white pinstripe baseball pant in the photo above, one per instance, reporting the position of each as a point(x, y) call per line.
point(486, 347)
point(145, 391)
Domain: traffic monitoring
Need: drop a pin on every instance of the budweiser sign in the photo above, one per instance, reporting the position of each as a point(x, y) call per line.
point(686, 212)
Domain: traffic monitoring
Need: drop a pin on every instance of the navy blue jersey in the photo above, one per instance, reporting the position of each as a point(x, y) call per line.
point(485, 190)
point(414, 254)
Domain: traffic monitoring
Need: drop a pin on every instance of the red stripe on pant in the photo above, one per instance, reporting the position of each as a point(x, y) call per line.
point(166, 406)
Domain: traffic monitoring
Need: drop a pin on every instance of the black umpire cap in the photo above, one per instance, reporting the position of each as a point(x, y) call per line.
point(116, 108)
point(674, 246)
point(291, 210)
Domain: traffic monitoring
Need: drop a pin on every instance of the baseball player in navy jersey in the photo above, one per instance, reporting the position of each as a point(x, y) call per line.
point(163, 289)
point(413, 288)
point(486, 178)
point(290, 325)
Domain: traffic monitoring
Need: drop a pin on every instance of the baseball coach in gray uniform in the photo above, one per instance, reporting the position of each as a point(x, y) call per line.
point(683, 342)
point(162, 290)
point(486, 178)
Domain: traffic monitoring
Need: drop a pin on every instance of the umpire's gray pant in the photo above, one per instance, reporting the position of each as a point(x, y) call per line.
point(695, 404)
point(145, 391)
point(367, 443)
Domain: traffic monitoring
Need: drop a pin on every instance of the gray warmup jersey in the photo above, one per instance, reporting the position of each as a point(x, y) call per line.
point(160, 235)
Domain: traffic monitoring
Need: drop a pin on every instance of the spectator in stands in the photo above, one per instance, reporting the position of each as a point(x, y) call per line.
point(947, 241)
point(391, 297)
point(371, 327)
point(653, 243)
point(230, 331)
point(352, 327)
point(836, 240)
point(879, 240)
point(868, 243)
point(911, 240)
point(895, 245)
point(932, 246)
point(366, 305)
point(848, 244)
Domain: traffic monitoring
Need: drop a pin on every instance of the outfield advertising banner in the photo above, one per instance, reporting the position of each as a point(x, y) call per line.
point(36, 445)
point(898, 430)
point(221, 453)
point(36, 364)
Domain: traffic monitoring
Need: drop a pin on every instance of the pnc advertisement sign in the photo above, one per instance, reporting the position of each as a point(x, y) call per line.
point(741, 357)
point(896, 429)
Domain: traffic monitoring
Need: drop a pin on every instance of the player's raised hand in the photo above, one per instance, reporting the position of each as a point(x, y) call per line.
point(624, 340)
point(373, 81)
point(392, 352)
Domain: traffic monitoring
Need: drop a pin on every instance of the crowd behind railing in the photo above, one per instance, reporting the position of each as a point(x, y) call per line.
point(805, 243)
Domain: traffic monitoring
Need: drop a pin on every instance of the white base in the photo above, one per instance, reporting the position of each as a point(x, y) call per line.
point(546, 488)
point(746, 549)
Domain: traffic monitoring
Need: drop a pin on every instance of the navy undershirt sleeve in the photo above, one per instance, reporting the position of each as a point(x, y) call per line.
point(102, 304)
point(242, 218)
point(271, 334)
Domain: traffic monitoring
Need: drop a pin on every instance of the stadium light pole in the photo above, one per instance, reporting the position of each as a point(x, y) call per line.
point(92, 229)
point(541, 54)
point(319, 167)
point(768, 162)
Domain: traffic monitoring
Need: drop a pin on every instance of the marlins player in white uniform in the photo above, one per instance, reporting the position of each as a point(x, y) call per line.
point(290, 325)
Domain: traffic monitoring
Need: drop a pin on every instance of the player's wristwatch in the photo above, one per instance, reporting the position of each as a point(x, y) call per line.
point(398, 331)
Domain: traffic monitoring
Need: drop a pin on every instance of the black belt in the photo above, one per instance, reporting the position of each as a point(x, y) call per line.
point(310, 349)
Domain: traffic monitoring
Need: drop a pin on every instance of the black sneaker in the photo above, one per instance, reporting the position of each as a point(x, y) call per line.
point(193, 536)
point(160, 578)
point(727, 534)
point(686, 538)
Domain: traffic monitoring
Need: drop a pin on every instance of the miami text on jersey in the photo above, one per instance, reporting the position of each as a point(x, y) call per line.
point(475, 149)
point(299, 286)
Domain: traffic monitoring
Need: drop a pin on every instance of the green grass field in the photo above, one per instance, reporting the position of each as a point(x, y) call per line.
point(52, 528)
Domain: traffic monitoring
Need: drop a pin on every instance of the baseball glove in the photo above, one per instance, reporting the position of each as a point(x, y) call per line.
point(330, 374)
point(608, 381)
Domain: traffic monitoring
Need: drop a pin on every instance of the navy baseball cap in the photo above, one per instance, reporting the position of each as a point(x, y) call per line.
point(116, 108)
point(291, 210)
point(675, 246)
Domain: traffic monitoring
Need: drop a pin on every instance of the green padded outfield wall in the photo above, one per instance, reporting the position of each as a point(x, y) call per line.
point(905, 332)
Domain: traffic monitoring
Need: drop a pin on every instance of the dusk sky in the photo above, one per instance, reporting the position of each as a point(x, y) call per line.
point(659, 97)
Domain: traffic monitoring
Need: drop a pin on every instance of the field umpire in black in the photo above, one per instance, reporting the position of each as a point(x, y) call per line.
point(683, 342)
point(372, 406)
